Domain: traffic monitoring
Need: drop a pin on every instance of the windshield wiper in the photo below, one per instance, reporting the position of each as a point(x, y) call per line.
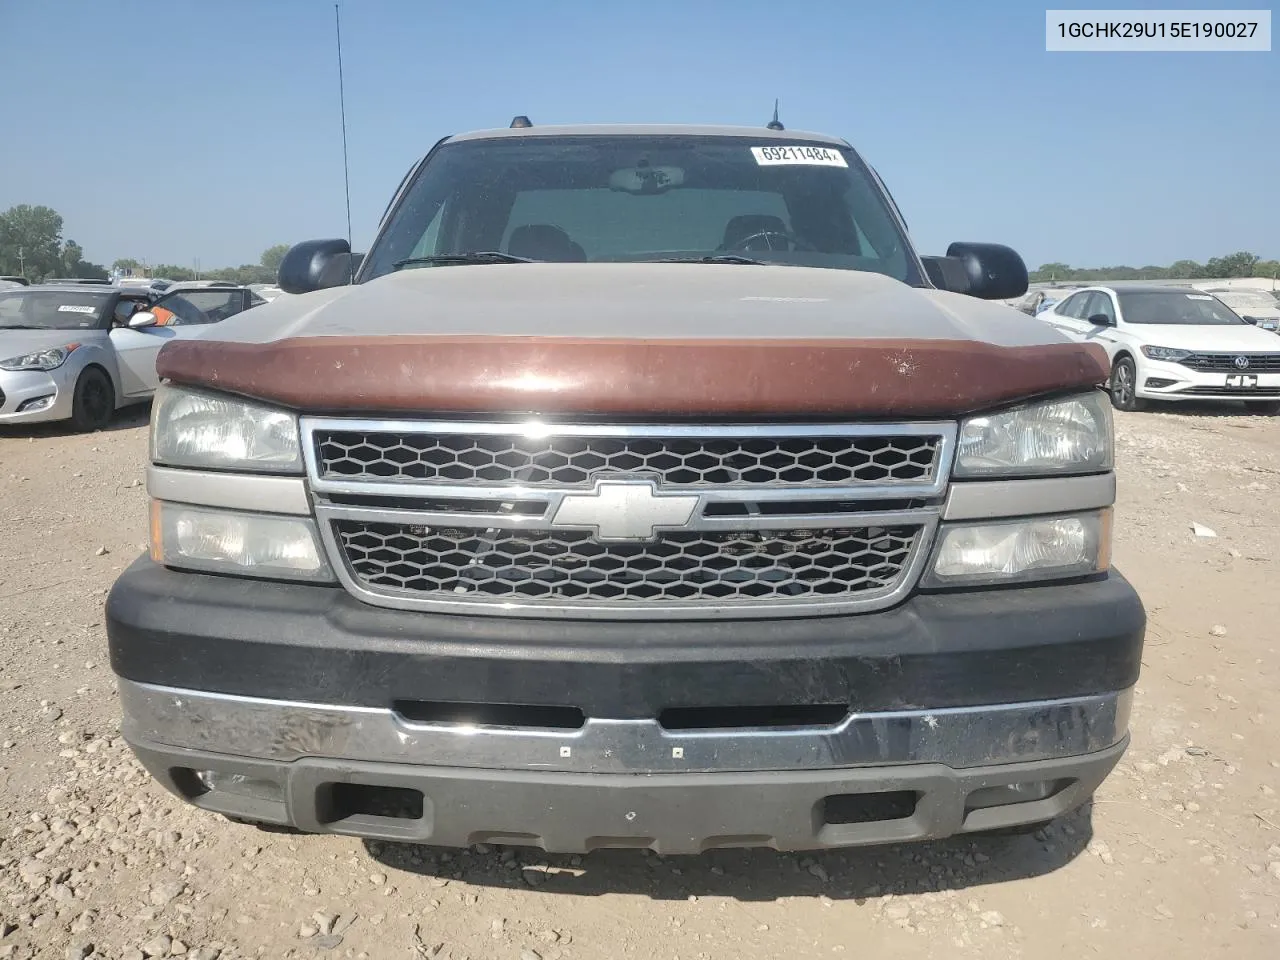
point(713, 258)
point(22, 326)
point(475, 256)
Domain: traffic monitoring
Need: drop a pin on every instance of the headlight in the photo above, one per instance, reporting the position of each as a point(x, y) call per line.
point(190, 429)
point(1011, 551)
point(1071, 435)
point(245, 544)
point(1170, 354)
point(49, 359)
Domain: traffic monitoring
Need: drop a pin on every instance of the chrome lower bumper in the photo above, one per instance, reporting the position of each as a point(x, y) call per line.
point(955, 737)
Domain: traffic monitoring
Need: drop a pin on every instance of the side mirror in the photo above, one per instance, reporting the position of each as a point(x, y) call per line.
point(994, 271)
point(143, 318)
point(1101, 320)
point(316, 265)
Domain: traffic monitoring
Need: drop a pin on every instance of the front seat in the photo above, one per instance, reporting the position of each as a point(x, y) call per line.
point(542, 241)
point(750, 224)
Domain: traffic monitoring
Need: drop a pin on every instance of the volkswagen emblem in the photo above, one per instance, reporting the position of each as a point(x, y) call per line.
point(1242, 363)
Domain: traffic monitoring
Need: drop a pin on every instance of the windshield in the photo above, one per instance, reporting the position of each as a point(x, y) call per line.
point(1170, 307)
point(71, 309)
point(635, 198)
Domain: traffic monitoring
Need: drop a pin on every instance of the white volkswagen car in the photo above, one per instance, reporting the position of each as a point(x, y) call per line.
point(1173, 343)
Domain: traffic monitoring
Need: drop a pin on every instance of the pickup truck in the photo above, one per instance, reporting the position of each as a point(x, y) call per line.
point(641, 486)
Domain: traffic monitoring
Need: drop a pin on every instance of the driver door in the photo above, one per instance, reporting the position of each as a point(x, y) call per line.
point(136, 349)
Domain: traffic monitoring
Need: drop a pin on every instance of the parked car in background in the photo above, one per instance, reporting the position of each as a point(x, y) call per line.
point(77, 352)
point(1258, 307)
point(1173, 343)
point(155, 285)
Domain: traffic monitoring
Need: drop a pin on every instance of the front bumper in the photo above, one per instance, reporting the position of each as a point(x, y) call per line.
point(291, 694)
point(1178, 382)
point(27, 387)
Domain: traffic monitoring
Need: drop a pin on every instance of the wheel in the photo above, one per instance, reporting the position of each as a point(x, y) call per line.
point(1124, 385)
point(93, 402)
point(1263, 406)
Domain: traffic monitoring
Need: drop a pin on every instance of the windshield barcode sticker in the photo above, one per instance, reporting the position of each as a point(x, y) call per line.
point(805, 155)
point(76, 308)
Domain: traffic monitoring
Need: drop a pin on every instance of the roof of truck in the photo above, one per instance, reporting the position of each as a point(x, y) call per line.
point(650, 130)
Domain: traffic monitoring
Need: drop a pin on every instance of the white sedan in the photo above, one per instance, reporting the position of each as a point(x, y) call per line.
point(1173, 343)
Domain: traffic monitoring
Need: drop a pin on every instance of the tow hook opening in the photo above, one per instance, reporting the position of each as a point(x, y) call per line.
point(337, 802)
point(844, 808)
point(1007, 794)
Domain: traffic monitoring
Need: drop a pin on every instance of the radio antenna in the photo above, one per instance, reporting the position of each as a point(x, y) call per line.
point(775, 123)
point(346, 170)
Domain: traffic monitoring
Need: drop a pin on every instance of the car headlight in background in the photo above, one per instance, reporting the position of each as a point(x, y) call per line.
point(1017, 551)
point(244, 544)
point(192, 429)
point(1168, 354)
point(1063, 436)
point(48, 359)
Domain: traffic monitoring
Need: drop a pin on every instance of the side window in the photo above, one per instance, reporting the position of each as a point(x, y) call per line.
point(1087, 306)
point(1071, 306)
point(198, 306)
point(1102, 304)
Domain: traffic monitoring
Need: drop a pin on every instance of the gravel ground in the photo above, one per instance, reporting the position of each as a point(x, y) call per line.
point(1179, 856)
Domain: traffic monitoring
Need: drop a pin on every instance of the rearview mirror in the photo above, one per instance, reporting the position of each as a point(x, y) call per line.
point(143, 318)
point(1100, 320)
point(316, 265)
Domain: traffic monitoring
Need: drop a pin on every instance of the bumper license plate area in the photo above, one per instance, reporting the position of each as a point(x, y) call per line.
point(1242, 381)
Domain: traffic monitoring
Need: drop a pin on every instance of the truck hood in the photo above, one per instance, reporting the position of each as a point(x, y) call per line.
point(639, 339)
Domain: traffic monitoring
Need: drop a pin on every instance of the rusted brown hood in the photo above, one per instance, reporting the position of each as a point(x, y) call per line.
point(634, 340)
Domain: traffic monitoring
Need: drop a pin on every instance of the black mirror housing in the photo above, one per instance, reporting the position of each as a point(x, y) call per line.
point(316, 265)
point(1100, 320)
point(994, 271)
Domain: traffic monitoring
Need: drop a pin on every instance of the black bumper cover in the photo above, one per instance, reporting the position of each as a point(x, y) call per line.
point(317, 644)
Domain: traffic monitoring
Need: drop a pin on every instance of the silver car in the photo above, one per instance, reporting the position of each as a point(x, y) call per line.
point(80, 352)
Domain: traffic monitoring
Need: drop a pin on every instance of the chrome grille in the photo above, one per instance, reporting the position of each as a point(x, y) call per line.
point(627, 521)
point(681, 566)
point(1226, 362)
point(575, 461)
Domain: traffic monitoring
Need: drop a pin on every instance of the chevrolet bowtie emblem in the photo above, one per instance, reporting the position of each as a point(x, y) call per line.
point(625, 510)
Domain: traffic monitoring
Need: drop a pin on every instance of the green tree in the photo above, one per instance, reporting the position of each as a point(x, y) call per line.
point(1185, 270)
point(126, 265)
point(271, 258)
point(30, 241)
point(1239, 264)
point(170, 271)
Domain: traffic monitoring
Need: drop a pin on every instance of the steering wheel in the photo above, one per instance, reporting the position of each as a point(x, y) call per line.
point(793, 243)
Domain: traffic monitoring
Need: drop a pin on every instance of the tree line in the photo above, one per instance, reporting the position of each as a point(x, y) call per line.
point(264, 271)
point(31, 246)
point(1242, 264)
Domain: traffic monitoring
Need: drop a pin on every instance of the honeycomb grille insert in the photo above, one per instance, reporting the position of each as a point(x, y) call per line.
point(571, 461)
point(566, 566)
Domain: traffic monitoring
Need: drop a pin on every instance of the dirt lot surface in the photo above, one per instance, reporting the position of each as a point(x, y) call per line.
point(1178, 857)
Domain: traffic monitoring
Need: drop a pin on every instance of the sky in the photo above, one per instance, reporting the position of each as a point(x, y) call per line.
point(181, 130)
